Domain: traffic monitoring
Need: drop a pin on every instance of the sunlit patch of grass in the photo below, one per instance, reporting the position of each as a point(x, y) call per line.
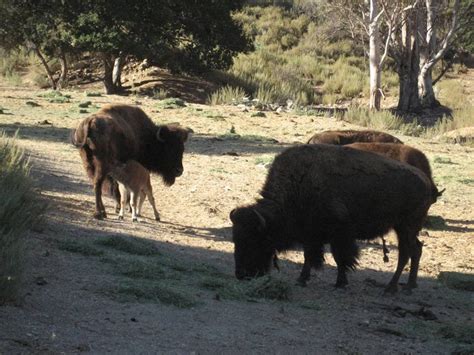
point(55, 96)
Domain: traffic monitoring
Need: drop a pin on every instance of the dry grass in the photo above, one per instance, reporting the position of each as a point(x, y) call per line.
point(19, 210)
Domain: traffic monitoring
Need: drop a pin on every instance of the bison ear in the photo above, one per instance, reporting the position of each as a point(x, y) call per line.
point(161, 131)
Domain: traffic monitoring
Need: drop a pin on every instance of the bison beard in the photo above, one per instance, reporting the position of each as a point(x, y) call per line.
point(318, 194)
point(118, 133)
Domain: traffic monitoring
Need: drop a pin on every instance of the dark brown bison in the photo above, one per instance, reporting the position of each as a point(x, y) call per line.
point(318, 194)
point(118, 133)
point(351, 136)
point(404, 154)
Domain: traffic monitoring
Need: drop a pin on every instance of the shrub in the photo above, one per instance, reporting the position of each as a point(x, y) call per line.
point(227, 95)
point(19, 210)
point(461, 118)
point(381, 120)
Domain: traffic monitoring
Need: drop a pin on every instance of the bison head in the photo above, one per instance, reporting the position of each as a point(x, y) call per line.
point(253, 250)
point(171, 139)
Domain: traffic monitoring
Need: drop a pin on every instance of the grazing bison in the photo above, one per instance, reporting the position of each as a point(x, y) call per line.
point(351, 136)
point(118, 133)
point(134, 179)
point(318, 194)
point(404, 154)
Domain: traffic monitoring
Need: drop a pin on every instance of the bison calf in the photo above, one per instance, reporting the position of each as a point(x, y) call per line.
point(133, 178)
point(351, 136)
point(318, 194)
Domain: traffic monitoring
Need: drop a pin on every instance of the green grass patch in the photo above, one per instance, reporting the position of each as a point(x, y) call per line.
point(134, 246)
point(266, 287)
point(171, 103)
point(79, 247)
point(84, 104)
point(264, 160)
point(55, 96)
point(149, 291)
point(457, 280)
point(20, 209)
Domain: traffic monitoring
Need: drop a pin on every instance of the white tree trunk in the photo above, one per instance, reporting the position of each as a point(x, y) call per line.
point(374, 58)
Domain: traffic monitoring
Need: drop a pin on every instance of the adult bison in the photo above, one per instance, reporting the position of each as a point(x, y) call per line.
point(118, 133)
point(351, 136)
point(318, 194)
point(404, 154)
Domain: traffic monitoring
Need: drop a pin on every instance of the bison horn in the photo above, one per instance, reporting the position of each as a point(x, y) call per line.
point(158, 134)
point(261, 219)
point(441, 192)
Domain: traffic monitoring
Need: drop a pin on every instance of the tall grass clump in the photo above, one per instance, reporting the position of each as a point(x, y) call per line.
point(19, 210)
point(381, 120)
point(227, 95)
point(460, 118)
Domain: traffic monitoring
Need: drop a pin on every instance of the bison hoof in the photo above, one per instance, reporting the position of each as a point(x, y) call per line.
point(120, 218)
point(301, 282)
point(100, 215)
point(135, 219)
point(391, 289)
point(157, 217)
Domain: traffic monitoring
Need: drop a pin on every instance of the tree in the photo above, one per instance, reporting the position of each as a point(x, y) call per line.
point(432, 48)
point(39, 27)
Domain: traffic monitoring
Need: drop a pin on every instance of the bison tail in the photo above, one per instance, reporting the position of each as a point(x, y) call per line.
point(78, 136)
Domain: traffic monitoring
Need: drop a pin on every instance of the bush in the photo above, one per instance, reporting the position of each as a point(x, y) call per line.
point(227, 95)
point(19, 210)
point(381, 120)
point(461, 118)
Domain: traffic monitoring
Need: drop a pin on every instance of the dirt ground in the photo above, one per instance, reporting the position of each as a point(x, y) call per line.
point(65, 310)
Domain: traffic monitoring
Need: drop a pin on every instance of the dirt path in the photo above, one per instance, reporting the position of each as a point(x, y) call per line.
point(69, 303)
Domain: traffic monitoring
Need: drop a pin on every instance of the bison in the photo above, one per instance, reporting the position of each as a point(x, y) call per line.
point(404, 154)
point(134, 179)
point(118, 133)
point(351, 136)
point(318, 194)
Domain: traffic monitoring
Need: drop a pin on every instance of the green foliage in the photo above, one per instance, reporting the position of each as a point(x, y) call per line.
point(171, 103)
point(19, 210)
point(129, 245)
point(55, 96)
point(227, 95)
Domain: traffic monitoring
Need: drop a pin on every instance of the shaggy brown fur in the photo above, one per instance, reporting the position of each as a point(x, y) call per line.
point(134, 179)
point(351, 136)
point(118, 133)
point(317, 194)
point(404, 154)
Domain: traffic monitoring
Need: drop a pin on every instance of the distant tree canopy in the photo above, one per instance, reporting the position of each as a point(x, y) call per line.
point(185, 35)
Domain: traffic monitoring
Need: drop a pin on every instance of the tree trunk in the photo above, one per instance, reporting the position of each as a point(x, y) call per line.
point(110, 87)
point(425, 88)
point(408, 66)
point(49, 73)
point(374, 58)
point(62, 82)
point(117, 71)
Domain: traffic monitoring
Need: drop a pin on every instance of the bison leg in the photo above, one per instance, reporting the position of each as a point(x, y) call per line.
point(99, 206)
point(416, 249)
point(134, 195)
point(313, 257)
point(123, 200)
point(403, 256)
point(345, 252)
point(149, 194)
